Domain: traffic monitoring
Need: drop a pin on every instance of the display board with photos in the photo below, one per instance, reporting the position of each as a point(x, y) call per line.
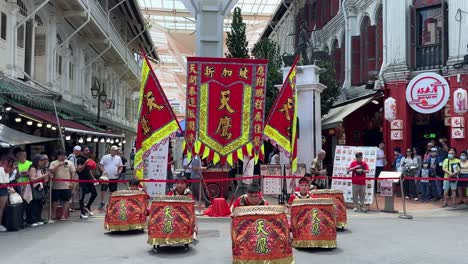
point(291, 183)
point(344, 155)
point(271, 185)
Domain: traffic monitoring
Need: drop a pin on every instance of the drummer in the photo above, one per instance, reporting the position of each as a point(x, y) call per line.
point(313, 185)
point(252, 198)
point(181, 187)
point(304, 190)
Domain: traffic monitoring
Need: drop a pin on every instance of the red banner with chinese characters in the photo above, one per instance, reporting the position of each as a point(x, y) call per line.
point(171, 221)
point(126, 211)
point(157, 121)
point(281, 124)
point(225, 108)
point(260, 234)
point(313, 223)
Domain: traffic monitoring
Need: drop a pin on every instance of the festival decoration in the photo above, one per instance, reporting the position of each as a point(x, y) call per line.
point(390, 109)
point(157, 120)
point(460, 101)
point(225, 108)
point(260, 234)
point(340, 205)
point(281, 124)
point(126, 211)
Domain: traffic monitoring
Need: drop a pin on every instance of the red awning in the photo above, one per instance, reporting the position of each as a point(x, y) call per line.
point(51, 118)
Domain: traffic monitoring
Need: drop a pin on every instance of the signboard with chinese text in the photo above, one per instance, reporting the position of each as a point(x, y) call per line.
point(225, 108)
point(396, 134)
point(427, 93)
point(291, 183)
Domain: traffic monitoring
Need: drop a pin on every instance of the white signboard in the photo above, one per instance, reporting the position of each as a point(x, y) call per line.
point(344, 155)
point(156, 169)
point(427, 93)
point(271, 185)
point(248, 169)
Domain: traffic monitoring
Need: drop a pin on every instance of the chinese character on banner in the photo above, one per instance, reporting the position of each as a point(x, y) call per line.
point(281, 124)
point(157, 122)
point(225, 102)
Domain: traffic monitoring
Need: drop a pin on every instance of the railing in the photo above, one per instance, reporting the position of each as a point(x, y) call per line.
point(429, 57)
point(100, 18)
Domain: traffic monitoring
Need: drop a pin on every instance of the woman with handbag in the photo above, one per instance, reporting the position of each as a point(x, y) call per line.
point(409, 167)
point(6, 166)
point(37, 174)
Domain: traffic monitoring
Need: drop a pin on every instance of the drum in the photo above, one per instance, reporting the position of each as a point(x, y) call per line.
point(172, 221)
point(126, 211)
point(338, 198)
point(260, 234)
point(313, 223)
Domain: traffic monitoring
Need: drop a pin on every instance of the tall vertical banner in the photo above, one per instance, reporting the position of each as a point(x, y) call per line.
point(156, 169)
point(344, 155)
point(281, 124)
point(225, 108)
point(156, 121)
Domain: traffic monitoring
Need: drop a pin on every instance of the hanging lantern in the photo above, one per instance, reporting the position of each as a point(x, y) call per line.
point(67, 137)
point(96, 139)
point(80, 140)
point(102, 140)
point(460, 101)
point(390, 109)
point(88, 139)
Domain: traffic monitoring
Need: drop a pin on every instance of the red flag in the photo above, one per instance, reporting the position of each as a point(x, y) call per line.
point(157, 121)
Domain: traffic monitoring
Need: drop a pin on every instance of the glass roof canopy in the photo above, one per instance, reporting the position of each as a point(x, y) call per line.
point(174, 34)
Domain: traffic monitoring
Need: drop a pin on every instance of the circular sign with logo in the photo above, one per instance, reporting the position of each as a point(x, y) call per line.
point(427, 93)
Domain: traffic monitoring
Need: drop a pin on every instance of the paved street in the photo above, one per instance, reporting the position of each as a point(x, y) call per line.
point(371, 238)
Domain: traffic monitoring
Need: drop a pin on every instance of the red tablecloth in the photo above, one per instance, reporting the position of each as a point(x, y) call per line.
point(218, 208)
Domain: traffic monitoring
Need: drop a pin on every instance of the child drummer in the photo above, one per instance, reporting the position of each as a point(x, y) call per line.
point(181, 187)
point(312, 186)
point(252, 198)
point(304, 190)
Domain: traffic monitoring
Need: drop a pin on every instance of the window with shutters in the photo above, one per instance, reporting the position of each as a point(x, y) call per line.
point(368, 46)
point(3, 26)
point(428, 34)
point(58, 59)
point(23, 10)
point(20, 37)
point(379, 38)
point(336, 57)
point(356, 60)
point(71, 71)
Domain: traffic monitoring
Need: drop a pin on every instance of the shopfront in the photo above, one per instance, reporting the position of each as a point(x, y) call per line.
point(428, 107)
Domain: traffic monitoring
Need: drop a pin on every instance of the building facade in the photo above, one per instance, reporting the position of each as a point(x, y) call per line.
point(82, 54)
point(377, 47)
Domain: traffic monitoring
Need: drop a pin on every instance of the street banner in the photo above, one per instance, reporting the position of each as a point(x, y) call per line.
point(281, 124)
point(156, 169)
point(225, 108)
point(344, 155)
point(156, 121)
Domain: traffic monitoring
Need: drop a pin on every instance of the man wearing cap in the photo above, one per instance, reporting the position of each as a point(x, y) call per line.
point(252, 198)
point(435, 163)
point(111, 167)
point(304, 191)
point(181, 187)
point(75, 188)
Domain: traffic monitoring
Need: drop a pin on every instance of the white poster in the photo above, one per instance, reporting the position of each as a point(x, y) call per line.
point(271, 185)
point(291, 184)
point(344, 155)
point(248, 169)
point(156, 169)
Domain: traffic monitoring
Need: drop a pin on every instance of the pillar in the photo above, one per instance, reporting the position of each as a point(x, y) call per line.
point(309, 90)
point(210, 23)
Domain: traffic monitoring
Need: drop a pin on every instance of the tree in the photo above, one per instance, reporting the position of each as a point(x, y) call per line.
point(268, 49)
point(333, 91)
point(236, 40)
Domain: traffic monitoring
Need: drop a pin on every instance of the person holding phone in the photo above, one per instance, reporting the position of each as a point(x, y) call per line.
point(62, 169)
point(359, 168)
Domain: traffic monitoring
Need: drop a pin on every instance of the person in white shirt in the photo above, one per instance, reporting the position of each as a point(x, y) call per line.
point(187, 164)
point(379, 164)
point(111, 167)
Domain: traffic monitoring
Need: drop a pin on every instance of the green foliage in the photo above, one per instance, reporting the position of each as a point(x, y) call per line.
point(268, 49)
point(333, 91)
point(236, 40)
